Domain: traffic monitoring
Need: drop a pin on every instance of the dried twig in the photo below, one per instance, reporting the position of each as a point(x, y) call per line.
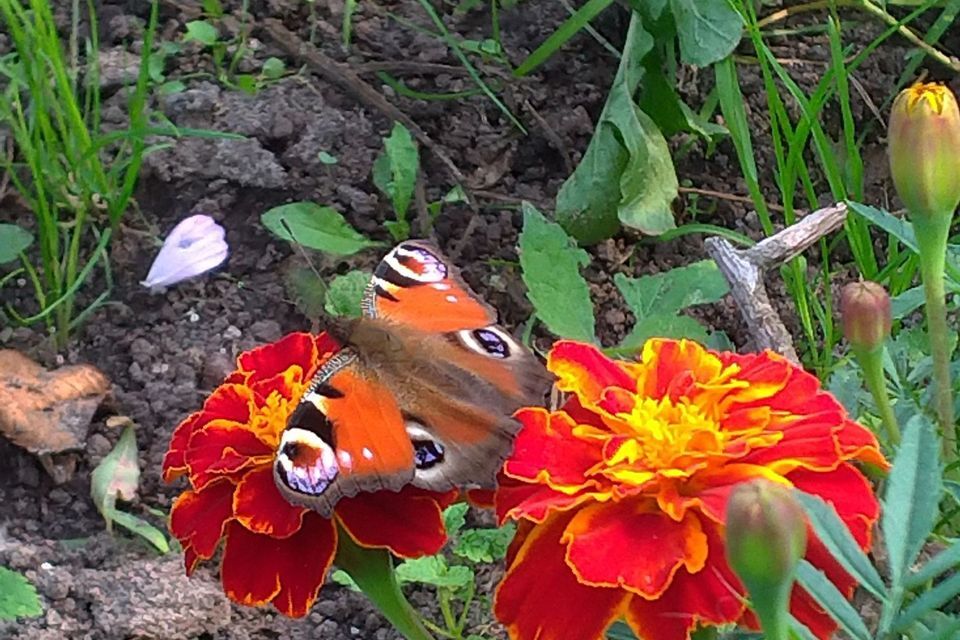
point(744, 270)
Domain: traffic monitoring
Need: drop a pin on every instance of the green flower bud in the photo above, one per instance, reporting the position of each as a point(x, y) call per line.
point(766, 539)
point(865, 312)
point(924, 146)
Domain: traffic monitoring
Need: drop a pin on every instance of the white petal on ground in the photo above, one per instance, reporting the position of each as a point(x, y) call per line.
point(194, 246)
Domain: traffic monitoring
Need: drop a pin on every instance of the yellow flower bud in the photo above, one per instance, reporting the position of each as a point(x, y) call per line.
point(865, 313)
point(924, 146)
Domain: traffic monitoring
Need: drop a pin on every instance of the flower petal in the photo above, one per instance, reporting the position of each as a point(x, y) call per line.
point(289, 572)
point(294, 349)
point(546, 450)
point(196, 245)
point(628, 545)
point(259, 506)
point(583, 369)
point(409, 523)
point(540, 598)
point(197, 520)
point(222, 449)
point(712, 595)
point(174, 462)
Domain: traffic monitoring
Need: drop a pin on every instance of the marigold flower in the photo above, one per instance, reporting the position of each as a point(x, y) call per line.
point(275, 552)
point(620, 495)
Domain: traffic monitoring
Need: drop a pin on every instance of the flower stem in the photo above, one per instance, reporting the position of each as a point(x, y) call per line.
point(932, 232)
point(871, 363)
point(372, 570)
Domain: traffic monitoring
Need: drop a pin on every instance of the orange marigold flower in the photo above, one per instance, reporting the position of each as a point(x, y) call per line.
point(620, 495)
point(275, 552)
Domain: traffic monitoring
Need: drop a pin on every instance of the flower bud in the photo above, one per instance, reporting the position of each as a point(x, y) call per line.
point(865, 312)
point(766, 537)
point(924, 146)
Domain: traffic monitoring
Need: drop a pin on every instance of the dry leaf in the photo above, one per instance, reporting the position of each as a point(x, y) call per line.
point(47, 412)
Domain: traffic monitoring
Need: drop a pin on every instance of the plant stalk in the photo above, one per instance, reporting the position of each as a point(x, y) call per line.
point(871, 363)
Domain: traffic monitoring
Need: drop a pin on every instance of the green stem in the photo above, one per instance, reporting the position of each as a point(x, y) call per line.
point(871, 363)
point(773, 609)
point(372, 570)
point(932, 232)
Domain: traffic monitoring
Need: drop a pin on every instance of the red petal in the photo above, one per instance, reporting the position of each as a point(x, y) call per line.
point(520, 500)
point(607, 549)
point(858, 443)
point(540, 598)
point(197, 519)
point(228, 402)
point(223, 449)
point(546, 450)
point(294, 349)
point(260, 507)
point(174, 463)
point(808, 440)
point(289, 572)
point(409, 523)
point(583, 369)
point(712, 596)
point(850, 493)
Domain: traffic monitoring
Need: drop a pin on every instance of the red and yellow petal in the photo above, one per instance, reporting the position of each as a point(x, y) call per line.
point(540, 597)
point(711, 596)
point(629, 545)
point(223, 449)
point(264, 362)
point(288, 572)
point(174, 461)
point(259, 506)
point(546, 450)
point(409, 523)
point(584, 370)
point(198, 518)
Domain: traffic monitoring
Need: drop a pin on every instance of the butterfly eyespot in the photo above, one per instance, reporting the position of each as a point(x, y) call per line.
point(305, 463)
point(427, 453)
point(488, 341)
point(411, 264)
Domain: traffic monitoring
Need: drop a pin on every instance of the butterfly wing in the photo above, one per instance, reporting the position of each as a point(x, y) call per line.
point(347, 435)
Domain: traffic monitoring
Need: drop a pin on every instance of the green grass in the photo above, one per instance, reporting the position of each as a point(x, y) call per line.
point(77, 180)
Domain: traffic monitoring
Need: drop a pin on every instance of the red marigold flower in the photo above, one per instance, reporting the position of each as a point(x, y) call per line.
point(274, 551)
point(620, 495)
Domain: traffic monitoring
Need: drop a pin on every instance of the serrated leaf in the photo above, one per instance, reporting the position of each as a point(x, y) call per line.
point(484, 545)
point(345, 293)
point(18, 598)
point(201, 31)
point(662, 326)
point(13, 240)
point(831, 600)
point(395, 170)
point(435, 571)
point(912, 496)
point(838, 540)
point(708, 30)
point(454, 517)
point(626, 174)
point(316, 227)
point(306, 289)
point(550, 263)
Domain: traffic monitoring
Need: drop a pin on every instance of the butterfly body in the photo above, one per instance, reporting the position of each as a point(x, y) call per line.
point(421, 393)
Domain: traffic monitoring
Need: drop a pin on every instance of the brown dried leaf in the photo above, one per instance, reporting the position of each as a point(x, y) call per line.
point(47, 411)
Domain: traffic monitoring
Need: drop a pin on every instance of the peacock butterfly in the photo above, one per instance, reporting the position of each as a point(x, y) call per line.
point(422, 391)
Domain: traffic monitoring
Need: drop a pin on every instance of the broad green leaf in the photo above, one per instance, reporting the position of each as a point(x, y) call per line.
point(911, 499)
point(838, 540)
point(626, 174)
point(944, 561)
point(551, 263)
point(484, 545)
point(662, 325)
point(18, 598)
point(13, 240)
point(435, 571)
point(395, 170)
point(345, 293)
point(201, 31)
point(708, 29)
point(658, 97)
point(316, 227)
point(454, 517)
point(273, 68)
point(343, 579)
point(306, 289)
point(833, 602)
point(907, 302)
point(673, 290)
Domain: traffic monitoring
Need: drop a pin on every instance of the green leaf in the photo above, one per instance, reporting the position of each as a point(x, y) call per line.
point(435, 571)
point(247, 83)
point(273, 68)
point(939, 564)
point(927, 602)
point(395, 170)
point(620, 631)
point(662, 326)
point(838, 540)
point(326, 158)
point(18, 598)
point(626, 174)
point(13, 240)
point(833, 602)
point(201, 31)
point(550, 263)
point(142, 528)
point(454, 517)
point(708, 30)
point(345, 293)
point(343, 579)
point(907, 302)
point(912, 496)
point(900, 229)
point(484, 545)
point(172, 87)
point(306, 289)
point(316, 227)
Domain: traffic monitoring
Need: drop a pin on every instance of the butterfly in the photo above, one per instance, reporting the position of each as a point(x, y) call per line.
point(421, 392)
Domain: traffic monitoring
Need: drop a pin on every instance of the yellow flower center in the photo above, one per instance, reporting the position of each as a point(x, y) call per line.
point(269, 420)
point(933, 94)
